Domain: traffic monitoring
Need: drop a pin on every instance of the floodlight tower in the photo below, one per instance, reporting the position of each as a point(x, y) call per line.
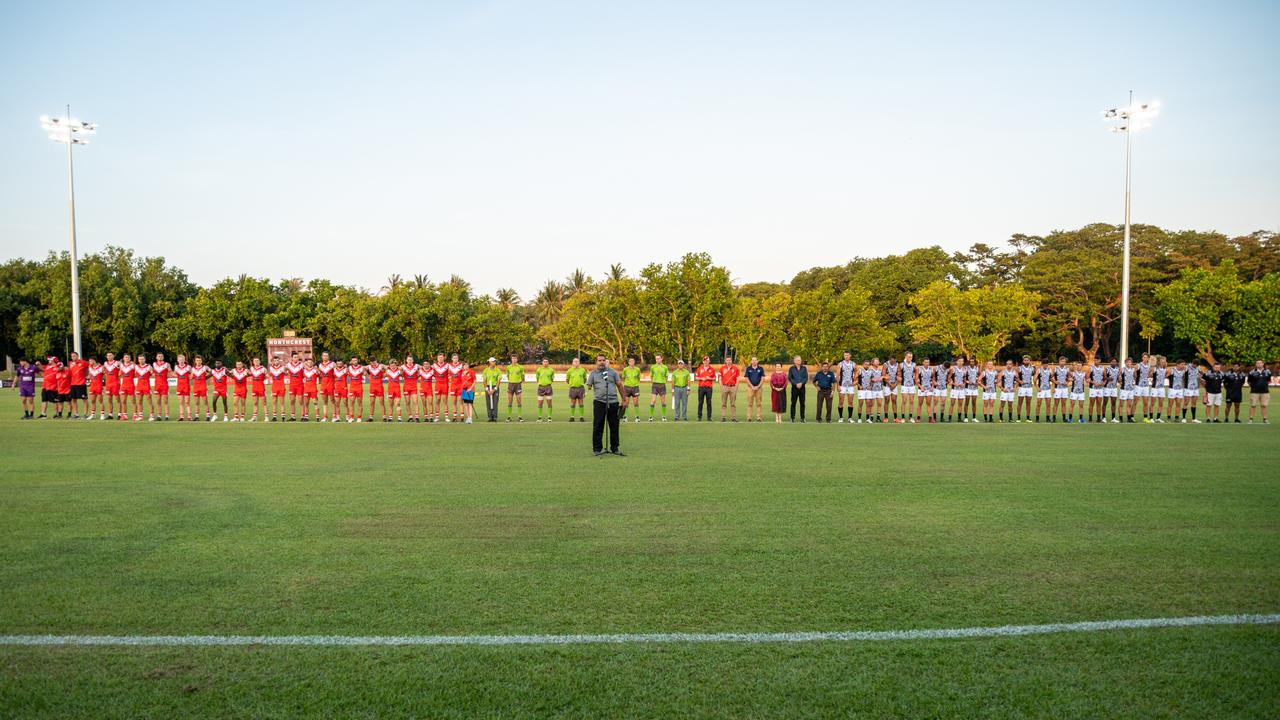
point(1128, 120)
point(70, 132)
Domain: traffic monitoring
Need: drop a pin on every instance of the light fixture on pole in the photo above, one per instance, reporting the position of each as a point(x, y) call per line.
point(1128, 120)
point(70, 132)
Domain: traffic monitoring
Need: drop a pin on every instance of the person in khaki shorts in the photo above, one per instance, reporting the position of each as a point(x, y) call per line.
point(729, 375)
point(1259, 379)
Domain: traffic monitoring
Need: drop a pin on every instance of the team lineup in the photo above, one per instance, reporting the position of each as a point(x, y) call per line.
point(1150, 390)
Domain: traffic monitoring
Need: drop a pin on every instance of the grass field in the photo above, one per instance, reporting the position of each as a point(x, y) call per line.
point(168, 529)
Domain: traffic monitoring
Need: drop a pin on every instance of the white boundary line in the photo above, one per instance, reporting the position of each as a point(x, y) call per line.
point(631, 638)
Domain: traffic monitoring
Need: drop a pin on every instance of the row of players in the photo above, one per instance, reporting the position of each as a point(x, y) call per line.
point(894, 391)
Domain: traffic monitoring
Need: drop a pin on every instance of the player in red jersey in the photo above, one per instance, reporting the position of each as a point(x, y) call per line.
point(355, 390)
point(199, 388)
point(219, 377)
point(49, 388)
point(142, 389)
point(79, 369)
point(95, 390)
point(160, 385)
point(467, 384)
point(182, 374)
point(258, 376)
point(455, 386)
point(239, 377)
point(297, 388)
point(338, 392)
point(426, 398)
point(64, 389)
point(277, 373)
point(393, 375)
point(410, 373)
point(111, 371)
point(126, 385)
point(310, 379)
point(440, 378)
point(327, 369)
point(377, 392)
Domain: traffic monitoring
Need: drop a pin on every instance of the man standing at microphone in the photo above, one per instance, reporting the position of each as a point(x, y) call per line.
point(606, 386)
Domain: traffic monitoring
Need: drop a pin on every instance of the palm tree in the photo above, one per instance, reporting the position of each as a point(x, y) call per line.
point(458, 282)
point(616, 271)
point(576, 281)
point(549, 303)
point(420, 281)
point(507, 298)
point(393, 282)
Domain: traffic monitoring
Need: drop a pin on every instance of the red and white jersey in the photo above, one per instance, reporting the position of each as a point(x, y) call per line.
point(375, 370)
point(258, 372)
point(394, 375)
point(295, 369)
point(326, 369)
point(219, 375)
point(112, 369)
point(410, 372)
point(161, 371)
point(239, 375)
point(440, 370)
point(455, 369)
point(309, 374)
point(199, 371)
point(141, 371)
point(426, 373)
point(181, 370)
point(95, 371)
point(277, 373)
point(355, 372)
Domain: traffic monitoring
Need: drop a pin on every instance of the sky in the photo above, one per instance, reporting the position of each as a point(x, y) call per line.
point(511, 142)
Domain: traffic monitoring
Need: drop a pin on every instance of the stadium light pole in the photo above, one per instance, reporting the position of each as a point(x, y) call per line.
point(71, 132)
point(1128, 120)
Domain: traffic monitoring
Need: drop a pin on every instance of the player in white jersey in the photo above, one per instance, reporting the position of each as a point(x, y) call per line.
point(907, 389)
point(1079, 381)
point(971, 388)
point(1191, 391)
point(990, 380)
point(1143, 390)
point(1128, 384)
point(1044, 390)
point(1026, 388)
point(1159, 386)
point(1008, 390)
point(925, 374)
point(847, 384)
point(956, 382)
point(1061, 389)
point(891, 370)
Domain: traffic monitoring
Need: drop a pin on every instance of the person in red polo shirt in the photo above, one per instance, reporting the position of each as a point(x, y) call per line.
point(729, 389)
point(79, 370)
point(706, 377)
point(49, 388)
point(467, 391)
point(160, 385)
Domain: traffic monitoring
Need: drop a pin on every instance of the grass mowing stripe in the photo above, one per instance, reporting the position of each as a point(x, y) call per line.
point(626, 638)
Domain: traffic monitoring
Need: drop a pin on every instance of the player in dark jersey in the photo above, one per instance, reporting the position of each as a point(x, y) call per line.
point(1233, 387)
point(1213, 393)
point(1259, 380)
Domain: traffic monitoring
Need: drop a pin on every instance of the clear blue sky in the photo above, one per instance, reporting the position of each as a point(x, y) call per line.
point(512, 141)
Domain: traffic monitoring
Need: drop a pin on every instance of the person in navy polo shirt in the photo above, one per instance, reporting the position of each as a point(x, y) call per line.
point(825, 381)
point(755, 387)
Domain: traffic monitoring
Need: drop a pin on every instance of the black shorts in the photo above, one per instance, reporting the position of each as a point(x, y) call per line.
point(79, 392)
point(1235, 396)
point(50, 396)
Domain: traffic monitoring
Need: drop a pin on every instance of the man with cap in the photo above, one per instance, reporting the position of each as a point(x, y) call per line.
point(492, 375)
point(606, 390)
point(680, 391)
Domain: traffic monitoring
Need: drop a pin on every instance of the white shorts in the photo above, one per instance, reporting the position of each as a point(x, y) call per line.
point(1025, 392)
point(1077, 396)
point(971, 391)
point(940, 392)
point(957, 393)
point(889, 391)
point(988, 396)
point(1126, 394)
point(1175, 393)
point(1211, 399)
point(848, 390)
point(1059, 393)
point(1157, 392)
point(1045, 394)
point(1007, 396)
point(1109, 392)
point(1143, 391)
point(907, 390)
point(866, 394)
point(1191, 393)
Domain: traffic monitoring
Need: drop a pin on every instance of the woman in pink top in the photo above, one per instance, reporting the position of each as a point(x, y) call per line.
point(778, 383)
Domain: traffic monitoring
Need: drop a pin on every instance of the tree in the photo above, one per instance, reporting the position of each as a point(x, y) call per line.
point(759, 325)
point(507, 299)
point(601, 318)
point(547, 306)
point(1255, 322)
point(977, 322)
point(825, 323)
point(616, 271)
point(1195, 305)
point(393, 282)
point(576, 281)
point(684, 306)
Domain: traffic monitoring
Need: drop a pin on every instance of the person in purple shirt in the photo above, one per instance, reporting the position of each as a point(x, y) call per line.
point(27, 388)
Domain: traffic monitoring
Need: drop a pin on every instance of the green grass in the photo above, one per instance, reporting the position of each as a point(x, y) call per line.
point(110, 528)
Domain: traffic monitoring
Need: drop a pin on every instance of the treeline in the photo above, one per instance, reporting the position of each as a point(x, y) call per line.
point(1193, 293)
